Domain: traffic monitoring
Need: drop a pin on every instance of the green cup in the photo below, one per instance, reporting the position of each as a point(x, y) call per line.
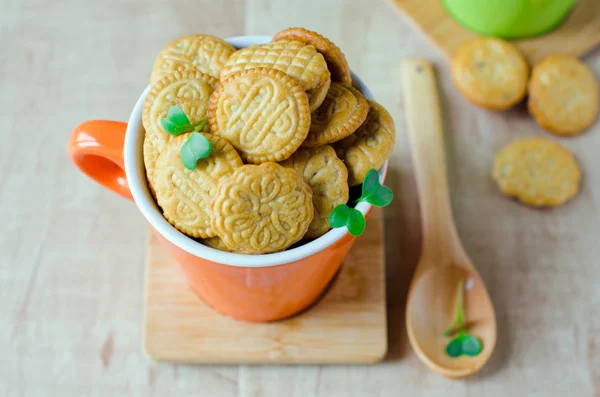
point(509, 19)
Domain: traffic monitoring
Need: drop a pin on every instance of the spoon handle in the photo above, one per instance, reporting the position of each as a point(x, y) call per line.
point(427, 147)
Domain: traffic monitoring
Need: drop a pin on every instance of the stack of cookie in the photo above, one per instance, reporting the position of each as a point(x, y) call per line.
point(289, 137)
point(563, 99)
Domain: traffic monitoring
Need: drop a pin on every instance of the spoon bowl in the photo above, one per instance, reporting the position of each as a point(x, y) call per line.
point(430, 311)
point(444, 263)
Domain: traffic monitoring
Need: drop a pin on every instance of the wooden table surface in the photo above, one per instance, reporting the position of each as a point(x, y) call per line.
point(72, 253)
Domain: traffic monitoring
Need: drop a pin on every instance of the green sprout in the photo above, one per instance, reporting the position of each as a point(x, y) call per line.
point(463, 343)
point(177, 123)
point(196, 147)
point(373, 193)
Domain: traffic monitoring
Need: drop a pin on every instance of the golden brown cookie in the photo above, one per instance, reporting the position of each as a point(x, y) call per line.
point(327, 176)
point(342, 112)
point(216, 243)
point(262, 208)
point(490, 72)
point(369, 146)
point(537, 171)
point(184, 195)
point(336, 61)
point(298, 60)
point(263, 112)
point(317, 95)
point(563, 95)
point(190, 90)
point(201, 52)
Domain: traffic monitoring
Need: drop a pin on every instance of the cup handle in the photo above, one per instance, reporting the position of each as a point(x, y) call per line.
point(96, 148)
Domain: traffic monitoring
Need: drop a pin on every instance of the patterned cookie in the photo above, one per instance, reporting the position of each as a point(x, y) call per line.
point(369, 146)
point(336, 61)
point(317, 95)
point(262, 208)
point(537, 171)
point(216, 243)
point(563, 95)
point(327, 176)
point(490, 72)
point(184, 195)
point(263, 112)
point(190, 90)
point(201, 52)
point(298, 60)
point(342, 112)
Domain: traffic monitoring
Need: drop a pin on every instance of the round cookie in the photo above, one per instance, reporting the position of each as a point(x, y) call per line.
point(298, 60)
point(490, 72)
point(262, 208)
point(336, 61)
point(201, 52)
point(191, 91)
point(317, 95)
point(342, 112)
point(537, 171)
point(263, 112)
point(369, 146)
point(184, 195)
point(216, 243)
point(563, 95)
point(327, 176)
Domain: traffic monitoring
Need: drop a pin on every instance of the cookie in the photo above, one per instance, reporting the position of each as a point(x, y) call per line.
point(327, 176)
point(490, 72)
point(298, 60)
point(263, 112)
point(369, 146)
point(537, 171)
point(317, 95)
point(184, 195)
point(262, 208)
point(216, 243)
point(342, 112)
point(336, 61)
point(191, 91)
point(563, 95)
point(200, 52)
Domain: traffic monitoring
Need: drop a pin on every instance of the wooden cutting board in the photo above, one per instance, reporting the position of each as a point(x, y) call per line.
point(348, 325)
point(579, 33)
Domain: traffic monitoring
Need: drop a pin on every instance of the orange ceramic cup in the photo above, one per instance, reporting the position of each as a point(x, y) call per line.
point(246, 287)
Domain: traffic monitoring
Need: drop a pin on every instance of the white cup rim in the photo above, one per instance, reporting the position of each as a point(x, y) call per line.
point(136, 178)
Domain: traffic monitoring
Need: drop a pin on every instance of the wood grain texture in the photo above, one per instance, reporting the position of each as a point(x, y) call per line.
point(578, 34)
point(72, 254)
point(348, 325)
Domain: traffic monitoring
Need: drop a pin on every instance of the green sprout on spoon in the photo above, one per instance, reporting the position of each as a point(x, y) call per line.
point(463, 343)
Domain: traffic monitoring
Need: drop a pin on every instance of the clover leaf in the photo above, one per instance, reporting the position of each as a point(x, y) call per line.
point(463, 343)
point(196, 147)
point(177, 123)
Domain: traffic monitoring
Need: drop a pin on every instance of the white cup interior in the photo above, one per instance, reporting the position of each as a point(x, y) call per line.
point(136, 178)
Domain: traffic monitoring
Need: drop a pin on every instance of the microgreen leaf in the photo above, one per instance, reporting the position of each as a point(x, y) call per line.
point(177, 123)
point(353, 219)
point(356, 222)
point(370, 182)
point(471, 345)
point(454, 348)
point(177, 116)
point(373, 192)
point(339, 216)
point(196, 147)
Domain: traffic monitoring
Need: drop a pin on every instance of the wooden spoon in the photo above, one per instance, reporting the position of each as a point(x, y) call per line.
point(444, 263)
